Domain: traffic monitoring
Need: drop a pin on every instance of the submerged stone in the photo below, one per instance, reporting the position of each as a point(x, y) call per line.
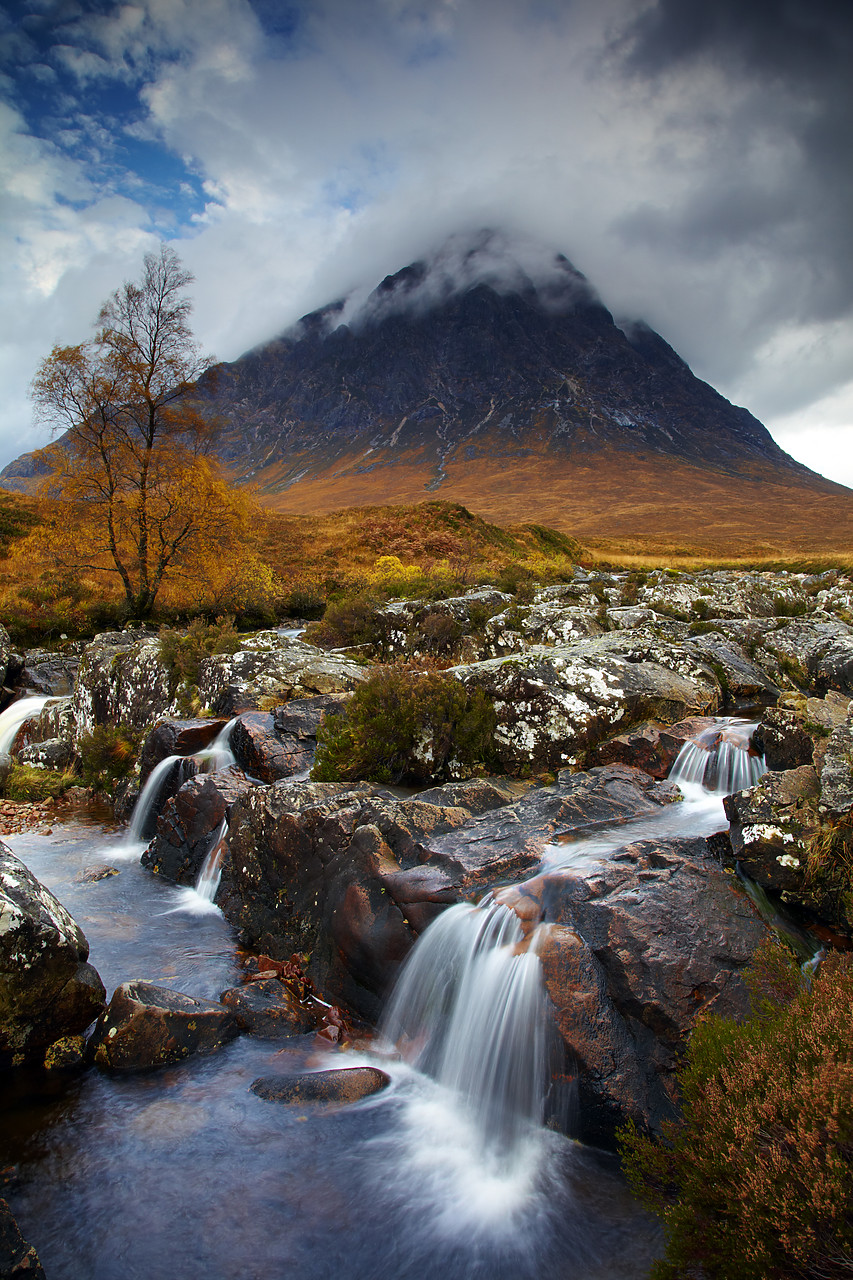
point(149, 1026)
point(349, 1084)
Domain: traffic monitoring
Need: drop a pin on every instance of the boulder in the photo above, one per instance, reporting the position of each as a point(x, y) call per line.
point(417, 628)
point(783, 739)
point(814, 653)
point(18, 1260)
point(50, 672)
point(654, 937)
point(177, 738)
point(651, 747)
point(53, 753)
point(276, 746)
point(266, 1008)
point(47, 990)
point(836, 773)
point(189, 821)
point(348, 1084)
point(122, 679)
point(273, 667)
point(351, 876)
point(768, 827)
point(149, 1026)
point(555, 704)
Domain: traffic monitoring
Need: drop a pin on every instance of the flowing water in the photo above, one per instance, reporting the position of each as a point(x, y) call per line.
point(449, 1173)
point(14, 716)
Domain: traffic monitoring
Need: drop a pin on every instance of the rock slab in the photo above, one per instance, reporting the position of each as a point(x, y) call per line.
point(149, 1026)
point(47, 988)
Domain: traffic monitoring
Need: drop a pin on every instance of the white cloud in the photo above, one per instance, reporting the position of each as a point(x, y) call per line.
point(388, 126)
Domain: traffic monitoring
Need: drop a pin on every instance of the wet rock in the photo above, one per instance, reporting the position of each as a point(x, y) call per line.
point(271, 666)
point(54, 753)
point(99, 871)
point(67, 1054)
point(352, 875)
point(554, 704)
point(349, 1084)
point(189, 821)
point(47, 990)
point(50, 672)
point(768, 826)
point(651, 747)
point(783, 740)
point(276, 746)
point(474, 795)
point(266, 1008)
point(177, 738)
point(18, 1260)
point(640, 947)
point(149, 1026)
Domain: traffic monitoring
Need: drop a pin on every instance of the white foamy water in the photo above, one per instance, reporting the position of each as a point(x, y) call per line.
point(14, 716)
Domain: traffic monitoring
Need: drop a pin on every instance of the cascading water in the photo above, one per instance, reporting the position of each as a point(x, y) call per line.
point(720, 759)
point(211, 869)
point(147, 806)
point(219, 754)
point(469, 1011)
point(14, 716)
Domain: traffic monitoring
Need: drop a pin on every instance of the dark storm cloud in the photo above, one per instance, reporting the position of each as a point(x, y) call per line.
point(792, 60)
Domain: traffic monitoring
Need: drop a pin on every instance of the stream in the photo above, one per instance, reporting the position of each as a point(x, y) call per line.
point(184, 1173)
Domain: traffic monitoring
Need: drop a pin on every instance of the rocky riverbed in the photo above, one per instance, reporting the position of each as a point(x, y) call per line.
point(597, 686)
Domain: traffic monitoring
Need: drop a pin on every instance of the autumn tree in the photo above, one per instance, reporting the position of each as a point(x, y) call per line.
point(131, 459)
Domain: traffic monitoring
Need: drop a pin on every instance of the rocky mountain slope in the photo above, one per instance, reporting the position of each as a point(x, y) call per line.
point(494, 376)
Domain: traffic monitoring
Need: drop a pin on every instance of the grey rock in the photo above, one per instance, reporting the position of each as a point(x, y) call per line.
point(271, 666)
point(53, 753)
point(189, 821)
point(47, 990)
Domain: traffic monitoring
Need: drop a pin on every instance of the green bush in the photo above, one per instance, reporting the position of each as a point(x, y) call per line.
point(347, 622)
point(182, 652)
point(402, 724)
point(24, 782)
point(755, 1182)
point(108, 755)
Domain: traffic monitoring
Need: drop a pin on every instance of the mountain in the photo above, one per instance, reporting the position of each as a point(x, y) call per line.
point(493, 375)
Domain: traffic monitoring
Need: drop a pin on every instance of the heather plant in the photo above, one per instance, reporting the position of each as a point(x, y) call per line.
point(183, 652)
point(108, 754)
point(25, 782)
point(755, 1181)
point(403, 724)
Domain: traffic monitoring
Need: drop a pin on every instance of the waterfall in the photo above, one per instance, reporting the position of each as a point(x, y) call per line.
point(720, 759)
point(14, 716)
point(210, 874)
point(219, 754)
point(147, 806)
point(469, 1010)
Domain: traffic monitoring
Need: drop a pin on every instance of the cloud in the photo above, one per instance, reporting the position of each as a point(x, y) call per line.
point(692, 160)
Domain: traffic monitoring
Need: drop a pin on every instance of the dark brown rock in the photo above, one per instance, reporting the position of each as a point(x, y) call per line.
point(783, 739)
point(266, 1008)
point(18, 1260)
point(330, 1087)
point(768, 826)
point(189, 822)
point(149, 1026)
point(352, 876)
point(276, 746)
point(177, 738)
point(47, 990)
point(651, 747)
point(640, 947)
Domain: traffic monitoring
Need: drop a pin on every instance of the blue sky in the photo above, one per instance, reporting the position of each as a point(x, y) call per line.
point(693, 160)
